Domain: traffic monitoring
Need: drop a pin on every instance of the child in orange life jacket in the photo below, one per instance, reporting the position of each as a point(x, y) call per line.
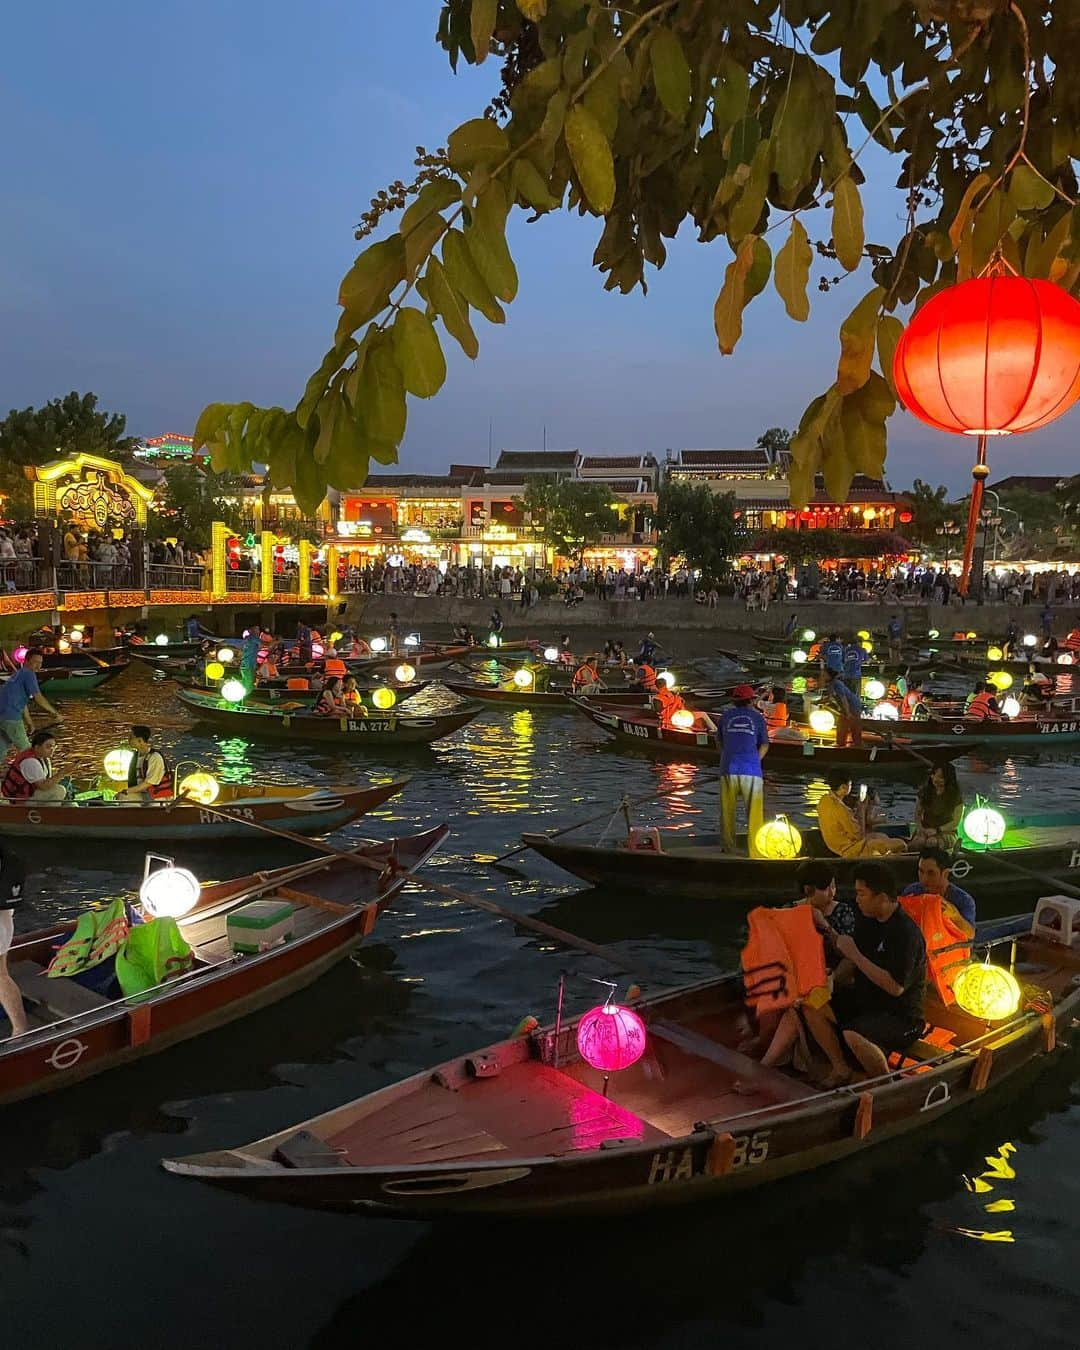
point(349, 692)
point(912, 702)
point(774, 709)
point(667, 704)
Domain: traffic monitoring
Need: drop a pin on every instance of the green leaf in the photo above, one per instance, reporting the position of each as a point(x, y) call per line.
point(422, 239)
point(890, 330)
point(858, 334)
point(288, 442)
point(757, 277)
point(741, 142)
point(380, 396)
point(529, 184)
point(434, 196)
point(836, 464)
point(332, 362)
point(484, 14)
point(730, 303)
point(798, 131)
point(991, 225)
point(870, 115)
point(746, 211)
point(327, 413)
point(210, 421)
point(477, 142)
point(551, 128)
point(366, 287)
point(309, 485)
point(462, 274)
point(792, 273)
point(1027, 191)
point(590, 154)
point(419, 355)
point(486, 238)
point(731, 93)
point(450, 307)
point(963, 214)
point(847, 223)
point(603, 99)
point(671, 73)
point(862, 421)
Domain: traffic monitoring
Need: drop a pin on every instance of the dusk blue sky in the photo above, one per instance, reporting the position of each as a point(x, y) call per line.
point(183, 179)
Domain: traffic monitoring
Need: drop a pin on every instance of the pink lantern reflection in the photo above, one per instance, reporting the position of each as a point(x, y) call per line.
point(611, 1038)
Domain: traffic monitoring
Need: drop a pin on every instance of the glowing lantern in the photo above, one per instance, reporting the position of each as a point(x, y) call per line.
point(666, 677)
point(19, 654)
point(682, 719)
point(336, 637)
point(808, 635)
point(234, 691)
point(778, 840)
point(611, 1038)
point(405, 674)
point(994, 653)
point(384, 698)
point(984, 826)
point(551, 653)
point(1011, 706)
point(988, 992)
point(214, 670)
point(798, 684)
point(226, 656)
point(867, 647)
point(117, 763)
point(76, 635)
point(933, 633)
point(413, 640)
point(378, 644)
point(863, 634)
point(63, 645)
point(523, 678)
point(203, 788)
point(798, 657)
point(1000, 679)
point(162, 640)
point(494, 640)
point(874, 689)
point(886, 712)
point(169, 893)
point(1030, 640)
point(822, 721)
point(1065, 659)
point(972, 636)
point(318, 651)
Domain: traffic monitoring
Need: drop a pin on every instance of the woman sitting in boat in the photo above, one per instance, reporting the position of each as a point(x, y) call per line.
point(984, 706)
point(358, 647)
point(587, 676)
point(29, 775)
point(939, 807)
point(331, 701)
point(845, 831)
point(913, 705)
point(350, 695)
point(149, 778)
point(774, 709)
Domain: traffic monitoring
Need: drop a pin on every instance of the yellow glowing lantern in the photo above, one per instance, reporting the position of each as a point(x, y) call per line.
point(226, 656)
point(666, 677)
point(822, 721)
point(214, 670)
point(117, 763)
point(336, 637)
point(798, 657)
point(994, 653)
point(384, 698)
point(863, 634)
point(778, 840)
point(234, 691)
point(798, 684)
point(867, 647)
point(988, 992)
point(63, 645)
point(682, 719)
point(405, 674)
point(808, 635)
point(523, 679)
point(984, 826)
point(874, 689)
point(200, 787)
point(972, 635)
point(1000, 679)
point(933, 633)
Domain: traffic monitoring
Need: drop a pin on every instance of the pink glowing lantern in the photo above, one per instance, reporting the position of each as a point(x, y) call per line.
point(318, 651)
point(611, 1038)
point(19, 654)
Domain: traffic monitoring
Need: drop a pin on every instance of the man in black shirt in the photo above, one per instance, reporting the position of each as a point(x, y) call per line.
point(882, 1007)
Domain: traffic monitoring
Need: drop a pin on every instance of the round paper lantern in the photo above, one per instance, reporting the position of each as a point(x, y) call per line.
point(201, 787)
point(933, 633)
point(413, 640)
point(822, 721)
point(682, 719)
point(20, 654)
point(994, 653)
point(798, 657)
point(169, 893)
point(988, 992)
point(523, 678)
point(991, 356)
point(76, 635)
point(874, 689)
point(984, 826)
point(778, 840)
point(1030, 640)
point(666, 677)
point(384, 698)
point(234, 691)
point(863, 634)
point(405, 674)
point(494, 640)
point(1000, 679)
point(611, 1038)
point(867, 647)
point(1065, 659)
point(886, 712)
point(551, 653)
point(335, 637)
point(117, 763)
point(214, 670)
point(378, 644)
point(226, 655)
point(162, 640)
point(1011, 707)
point(318, 651)
point(798, 684)
point(808, 635)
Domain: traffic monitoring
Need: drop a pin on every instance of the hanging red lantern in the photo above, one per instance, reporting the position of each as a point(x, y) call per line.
point(905, 517)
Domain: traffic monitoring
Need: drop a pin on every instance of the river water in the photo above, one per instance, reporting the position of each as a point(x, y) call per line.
point(968, 1237)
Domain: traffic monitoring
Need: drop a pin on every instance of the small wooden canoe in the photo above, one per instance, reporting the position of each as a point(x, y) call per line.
point(533, 698)
point(698, 866)
point(524, 1128)
point(275, 695)
point(877, 754)
point(76, 1033)
point(385, 729)
point(1043, 730)
point(301, 810)
point(73, 680)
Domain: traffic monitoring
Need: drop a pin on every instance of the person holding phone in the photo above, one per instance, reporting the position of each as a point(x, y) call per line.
point(845, 830)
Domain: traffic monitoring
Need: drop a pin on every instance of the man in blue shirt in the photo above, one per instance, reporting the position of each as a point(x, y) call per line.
point(895, 630)
point(15, 694)
point(744, 743)
point(848, 711)
point(832, 654)
point(934, 864)
point(854, 658)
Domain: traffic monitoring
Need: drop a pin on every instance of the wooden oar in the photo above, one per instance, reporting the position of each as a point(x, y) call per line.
point(451, 892)
point(894, 745)
point(1043, 877)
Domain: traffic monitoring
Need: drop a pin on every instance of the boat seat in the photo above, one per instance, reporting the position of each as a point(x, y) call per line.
point(769, 1082)
point(304, 1149)
point(61, 996)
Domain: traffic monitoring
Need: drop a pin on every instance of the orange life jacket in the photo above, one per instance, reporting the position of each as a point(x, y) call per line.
point(584, 675)
point(942, 927)
point(910, 702)
point(647, 676)
point(670, 703)
point(980, 709)
point(15, 786)
point(814, 652)
point(784, 958)
point(776, 716)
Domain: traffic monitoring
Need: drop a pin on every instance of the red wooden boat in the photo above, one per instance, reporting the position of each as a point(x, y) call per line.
point(75, 1033)
point(539, 698)
point(523, 1128)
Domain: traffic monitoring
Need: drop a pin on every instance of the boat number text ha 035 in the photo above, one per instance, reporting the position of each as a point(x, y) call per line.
point(750, 1150)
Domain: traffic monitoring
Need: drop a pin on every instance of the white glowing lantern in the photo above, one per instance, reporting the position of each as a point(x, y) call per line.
point(984, 826)
point(808, 635)
point(1030, 640)
point(413, 640)
point(523, 679)
point(886, 712)
point(117, 764)
point(405, 674)
point(874, 689)
point(822, 721)
point(551, 653)
point(169, 893)
point(666, 677)
point(1065, 659)
point(76, 635)
point(378, 644)
point(682, 719)
point(162, 640)
point(798, 656)
point(226, 655)
point(1011, 706)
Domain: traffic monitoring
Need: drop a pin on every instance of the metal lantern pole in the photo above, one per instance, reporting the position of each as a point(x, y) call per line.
point(979, 474)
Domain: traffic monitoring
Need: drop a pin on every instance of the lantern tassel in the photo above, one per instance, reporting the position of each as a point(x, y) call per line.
point(978, 476)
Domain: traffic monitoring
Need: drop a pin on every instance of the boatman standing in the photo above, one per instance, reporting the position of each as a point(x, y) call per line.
point(832, 655)
point(744, 743)
point(15, 695)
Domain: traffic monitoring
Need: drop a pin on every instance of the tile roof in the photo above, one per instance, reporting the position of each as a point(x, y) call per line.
point(725, 459)
point(613, 462)
point(537, 459)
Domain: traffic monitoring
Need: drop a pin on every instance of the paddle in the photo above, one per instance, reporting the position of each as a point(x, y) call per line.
point(893, 745)
point(451, 892)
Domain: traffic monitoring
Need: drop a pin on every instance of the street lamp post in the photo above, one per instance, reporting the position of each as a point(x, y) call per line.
point(949, 529)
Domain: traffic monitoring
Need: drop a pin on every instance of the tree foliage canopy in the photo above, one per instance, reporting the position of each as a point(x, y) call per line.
point(745, 118)
point(192, 501)
point(930, 509)
point(698, 525)
point(571, 515)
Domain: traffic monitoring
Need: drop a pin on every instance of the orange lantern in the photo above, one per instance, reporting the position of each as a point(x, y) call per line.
point(993, 356)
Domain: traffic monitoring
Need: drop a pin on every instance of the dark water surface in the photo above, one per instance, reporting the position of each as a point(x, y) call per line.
point(969, 1236)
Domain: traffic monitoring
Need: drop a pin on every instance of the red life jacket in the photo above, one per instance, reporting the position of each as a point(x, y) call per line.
point(162, 789)
point(15, 786)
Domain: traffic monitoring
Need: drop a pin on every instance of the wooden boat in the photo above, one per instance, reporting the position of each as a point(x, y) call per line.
point(64, 682)
point(525, 1128)
point(274, 694)
point(75, 1033)
point(534, 698)
point(878, 753)
point(302, 810)
point(385, 729)
point(174, 651)
point(698, 866)
point(1043, 730)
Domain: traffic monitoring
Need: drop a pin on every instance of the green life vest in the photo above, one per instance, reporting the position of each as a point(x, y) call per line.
point(97, 936)
point(153, 953)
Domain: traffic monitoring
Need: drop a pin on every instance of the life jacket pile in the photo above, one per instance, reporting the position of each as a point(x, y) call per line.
point(784, 958)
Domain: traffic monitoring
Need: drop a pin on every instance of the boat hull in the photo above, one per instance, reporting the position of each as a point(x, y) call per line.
point(1044, 731)
point(384, 730)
